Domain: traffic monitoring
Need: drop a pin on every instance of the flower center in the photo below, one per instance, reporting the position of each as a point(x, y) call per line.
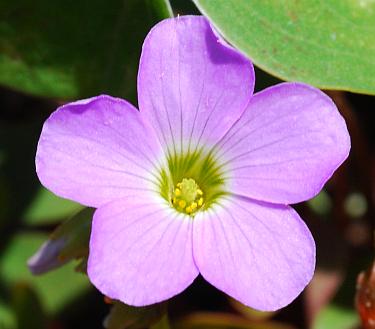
point(187, 197)
point(192, 181)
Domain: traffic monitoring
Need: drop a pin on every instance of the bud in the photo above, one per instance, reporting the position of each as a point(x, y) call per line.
point(69, 241)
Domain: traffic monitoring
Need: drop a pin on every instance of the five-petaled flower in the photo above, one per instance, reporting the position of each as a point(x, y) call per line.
point(200, 178)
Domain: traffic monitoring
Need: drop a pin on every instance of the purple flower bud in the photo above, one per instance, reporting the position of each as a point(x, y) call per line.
point(47, 257)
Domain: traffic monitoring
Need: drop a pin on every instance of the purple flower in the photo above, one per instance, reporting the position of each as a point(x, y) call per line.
point(200, 178)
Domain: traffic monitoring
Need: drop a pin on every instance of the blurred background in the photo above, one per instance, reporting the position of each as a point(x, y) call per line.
point(55, 51)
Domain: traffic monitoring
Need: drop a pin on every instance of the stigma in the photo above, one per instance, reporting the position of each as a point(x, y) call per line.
point(187, 197)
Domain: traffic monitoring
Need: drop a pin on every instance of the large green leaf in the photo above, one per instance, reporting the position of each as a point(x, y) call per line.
point(55, 289)
point(329, 44)
point(71, 49)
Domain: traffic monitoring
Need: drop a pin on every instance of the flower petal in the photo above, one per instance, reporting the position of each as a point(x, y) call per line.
point(261, 254)
point(286, 145)
point(191, 85)
point(97, 150)
point(141, 251)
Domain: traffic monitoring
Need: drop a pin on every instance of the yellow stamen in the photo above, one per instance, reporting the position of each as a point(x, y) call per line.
point(182, 204)
point(187, 196)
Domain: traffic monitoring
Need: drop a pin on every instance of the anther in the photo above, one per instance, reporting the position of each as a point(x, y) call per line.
point(182, 204)
point(187, 197)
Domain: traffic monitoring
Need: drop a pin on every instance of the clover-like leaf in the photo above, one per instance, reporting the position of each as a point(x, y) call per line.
point(329, 44)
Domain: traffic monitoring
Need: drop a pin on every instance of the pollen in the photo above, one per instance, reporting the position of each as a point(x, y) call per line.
point(187, 197)
point(182, 204)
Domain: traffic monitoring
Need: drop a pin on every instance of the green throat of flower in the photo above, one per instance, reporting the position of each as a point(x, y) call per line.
point(192, 182)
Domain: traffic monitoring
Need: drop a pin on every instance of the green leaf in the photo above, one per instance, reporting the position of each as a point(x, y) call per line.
point(55, 289)
point(70, 49)
point(47, 208)
point(123, 316)
point(328, 44)
point(335, 317)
